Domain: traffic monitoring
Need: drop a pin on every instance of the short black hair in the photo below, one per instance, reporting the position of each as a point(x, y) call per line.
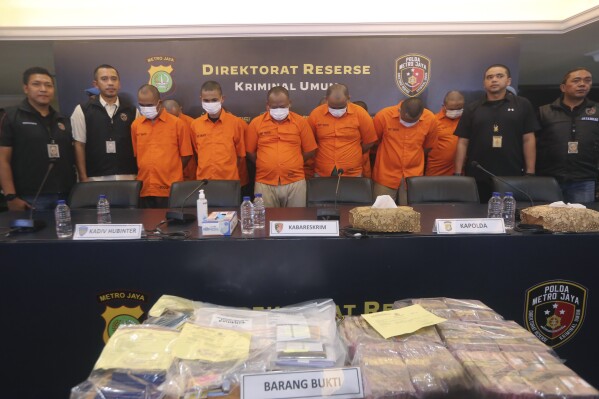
point(507, 70)
point(337, 86)
point(571, 71)
point(413, 106)
point(35, 71)
point(211, 85)
point(277, 90)
point(105, 66)
point(152, 89)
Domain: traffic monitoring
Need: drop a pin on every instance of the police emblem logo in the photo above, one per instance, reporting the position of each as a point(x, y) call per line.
point(61, 126)
point(160, 77)
point(412, 73)
point(448, 226)
point(116, 317)
point(123, 117)
point(82, 230)
point(555, 310)
point(591, 111)
point(278, 227)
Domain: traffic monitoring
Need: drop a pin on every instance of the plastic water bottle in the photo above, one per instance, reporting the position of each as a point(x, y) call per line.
point(259, 212)
point(509, 211)
point(247, 216)
point(62, 215)
point(495, 206)
point(103, 210)
point(202, 205)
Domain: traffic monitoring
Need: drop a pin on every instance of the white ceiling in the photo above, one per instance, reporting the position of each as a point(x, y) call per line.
point(76, 19)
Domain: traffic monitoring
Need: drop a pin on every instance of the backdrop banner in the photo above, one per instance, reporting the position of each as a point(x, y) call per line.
point(378, 70)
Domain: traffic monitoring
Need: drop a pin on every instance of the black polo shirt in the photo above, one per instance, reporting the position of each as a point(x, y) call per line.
point(560, 125)
point(28, 133)
point(510, 118)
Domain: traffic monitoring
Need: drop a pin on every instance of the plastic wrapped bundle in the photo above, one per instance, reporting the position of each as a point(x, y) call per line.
point(493, 377)
point(433, 370)
point(523, 375)
point(132, 365)
point(489, 336)
point(384, 372)
point(355, 330)
point(453, 309)
point(307, 337)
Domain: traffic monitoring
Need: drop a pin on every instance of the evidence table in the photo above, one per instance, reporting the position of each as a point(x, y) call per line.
point(63, 297)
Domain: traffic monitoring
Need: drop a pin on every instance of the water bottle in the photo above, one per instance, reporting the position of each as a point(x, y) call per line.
point(62, 215)
point(495, 206)
point(247, 216)
point(509, 211)
point(259, 212)
point(202, 205)
point(103, 210)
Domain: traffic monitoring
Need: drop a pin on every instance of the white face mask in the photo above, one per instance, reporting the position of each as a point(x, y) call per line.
point(454, 113)
point(149, 112)
point(212, 108)
point(278, 114)
point(407, 124)
point(337, 113)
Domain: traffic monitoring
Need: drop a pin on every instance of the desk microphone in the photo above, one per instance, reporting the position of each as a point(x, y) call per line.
point(475, 164)
point(328, 213)
point(30, 225)
point(181, 217)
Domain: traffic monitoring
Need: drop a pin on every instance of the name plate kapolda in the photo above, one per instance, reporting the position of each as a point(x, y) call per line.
point(469, 226)
point(340, 383)
point(107, 232)
point(305, 228)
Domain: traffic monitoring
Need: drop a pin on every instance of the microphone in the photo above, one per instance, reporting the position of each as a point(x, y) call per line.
point(475, 164)
point(181, 217)
point(328, 213)
point(30, 225)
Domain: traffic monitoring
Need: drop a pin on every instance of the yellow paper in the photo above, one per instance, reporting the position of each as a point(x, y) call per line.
point(172, 303)
point(211, 344)
point(401, 321)
point(138, 348)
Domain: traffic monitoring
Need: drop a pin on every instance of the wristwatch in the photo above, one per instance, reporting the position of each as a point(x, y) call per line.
point(10, 197)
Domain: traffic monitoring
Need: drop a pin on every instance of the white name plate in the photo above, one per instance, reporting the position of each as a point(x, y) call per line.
point(107, 231)
point(341, 383)
point(469, 226)
point(305, 228)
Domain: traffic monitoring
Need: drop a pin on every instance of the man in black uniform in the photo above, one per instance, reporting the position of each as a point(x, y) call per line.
point(34, 136)
point(102, 132)
point(568, 142)
point(497, 132)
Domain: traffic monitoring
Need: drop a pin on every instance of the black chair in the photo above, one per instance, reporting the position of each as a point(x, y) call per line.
point(219, 193)
point(352, 191)
point(120, 194)
point(542, 189)
point(442, 189)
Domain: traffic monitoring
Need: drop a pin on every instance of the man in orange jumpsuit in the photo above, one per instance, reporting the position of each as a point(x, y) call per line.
point(162, 147)
point(343, 131)
point(279, 141)
point(405, 132)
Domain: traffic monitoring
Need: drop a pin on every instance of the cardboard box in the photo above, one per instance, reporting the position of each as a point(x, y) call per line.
point(219, 223)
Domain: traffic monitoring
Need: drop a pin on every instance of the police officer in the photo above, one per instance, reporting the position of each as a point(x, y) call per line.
point(568, 142)
point(33, 138)
point(102, 131)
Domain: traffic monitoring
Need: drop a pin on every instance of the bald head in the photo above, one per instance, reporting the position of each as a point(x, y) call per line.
point(337, 96)
point(172, 107)
point(411, 109)
point(453, 100)
point(147, 90)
